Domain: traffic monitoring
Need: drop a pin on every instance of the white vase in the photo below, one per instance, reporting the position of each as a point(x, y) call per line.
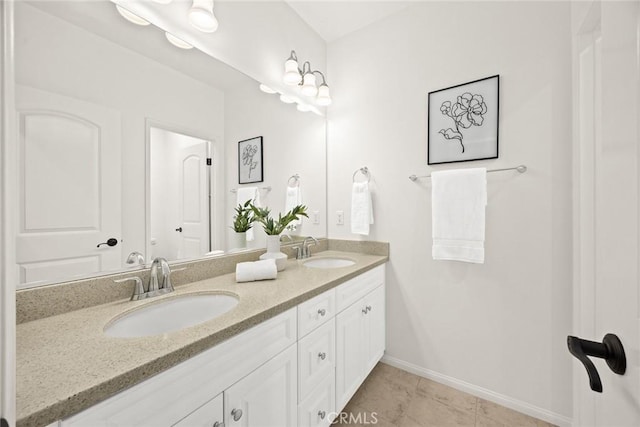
point(273, 252)
point(238, 240)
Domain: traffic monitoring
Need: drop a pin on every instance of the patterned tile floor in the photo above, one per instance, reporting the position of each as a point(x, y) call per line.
point(395, 398)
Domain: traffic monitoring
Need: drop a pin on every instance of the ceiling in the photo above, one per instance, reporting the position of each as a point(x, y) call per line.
point(335, 19)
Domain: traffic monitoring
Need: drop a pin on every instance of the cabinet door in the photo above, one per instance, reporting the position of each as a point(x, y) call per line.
point(318, 409)
point(374, 325)
point(267, 397)
point(350, 352)
point(316, 358)
point(208, 415)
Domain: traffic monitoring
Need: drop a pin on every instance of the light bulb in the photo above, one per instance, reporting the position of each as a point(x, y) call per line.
point(266, 89)
point(131, 17)
point(323, 98)
point(291, 74)
point(287, 99)
point(201, 16)
point(303, 107)
point(309, 85)
point(177, 42)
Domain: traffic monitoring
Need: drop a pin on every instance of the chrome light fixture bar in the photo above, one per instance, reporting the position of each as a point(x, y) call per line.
point(306, 79)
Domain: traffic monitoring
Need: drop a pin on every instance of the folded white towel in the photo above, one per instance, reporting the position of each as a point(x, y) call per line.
point(258, 270)
point(248, 193)
point(458, 201)
point(293, 199)
point(361, 208)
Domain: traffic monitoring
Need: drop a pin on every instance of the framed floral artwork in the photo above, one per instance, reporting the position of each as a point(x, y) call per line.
point(250, 160)
point(462, 122)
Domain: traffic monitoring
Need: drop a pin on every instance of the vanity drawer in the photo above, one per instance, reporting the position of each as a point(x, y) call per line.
point(316, 358)
point(318, 408)
point(205, 416)
point(315, 312)
point(356, 288)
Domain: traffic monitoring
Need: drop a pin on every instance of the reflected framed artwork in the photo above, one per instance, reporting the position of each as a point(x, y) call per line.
point(250, 167)
point(462, 122)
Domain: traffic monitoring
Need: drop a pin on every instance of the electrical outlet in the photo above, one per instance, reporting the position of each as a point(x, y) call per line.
point(316, 217)
point(340, 217)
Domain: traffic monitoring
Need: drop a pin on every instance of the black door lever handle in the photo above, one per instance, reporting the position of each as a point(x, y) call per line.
point(610, 349)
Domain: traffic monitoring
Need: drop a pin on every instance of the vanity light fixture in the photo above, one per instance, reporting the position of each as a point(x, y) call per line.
point(177, 42)
point(162, 1)
point(306, 79)
point(287, 99)
point(201, 16)
point(266, 89)
point(131, 17)
point(303, 107)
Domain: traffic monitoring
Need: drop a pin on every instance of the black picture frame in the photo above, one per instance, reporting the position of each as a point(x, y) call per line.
point(463, 122)
point(250, 161)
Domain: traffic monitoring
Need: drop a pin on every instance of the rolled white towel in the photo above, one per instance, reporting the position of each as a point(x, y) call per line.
point(258, 270)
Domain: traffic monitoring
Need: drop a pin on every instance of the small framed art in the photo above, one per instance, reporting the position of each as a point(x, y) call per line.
point(250, 161)
point(463, 122)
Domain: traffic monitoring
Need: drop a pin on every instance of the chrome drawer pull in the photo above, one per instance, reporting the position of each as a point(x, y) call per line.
point(322, 355)
point(236, 414)
point(322, 312)
point(368, 308)
point(365, 311)
point(321, 414)
point(218, 424)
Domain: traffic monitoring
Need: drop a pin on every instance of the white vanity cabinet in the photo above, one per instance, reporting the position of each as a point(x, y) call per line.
point(296, 369)
point(360, 332)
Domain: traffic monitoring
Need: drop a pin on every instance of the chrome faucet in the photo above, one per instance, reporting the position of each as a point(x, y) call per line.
point(305, 252)
point(160, 285)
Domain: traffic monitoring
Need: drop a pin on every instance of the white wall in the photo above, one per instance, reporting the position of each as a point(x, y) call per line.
point(497, 329)
point(293, 143)
point(84, 66)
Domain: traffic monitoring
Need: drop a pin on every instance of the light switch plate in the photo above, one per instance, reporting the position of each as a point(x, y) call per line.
point(340, 217)
point(316, 217)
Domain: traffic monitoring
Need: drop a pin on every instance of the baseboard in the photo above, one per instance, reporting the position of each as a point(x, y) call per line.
point(506, 401)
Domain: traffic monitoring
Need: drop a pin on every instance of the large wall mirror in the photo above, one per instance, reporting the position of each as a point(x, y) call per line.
point(128, 144)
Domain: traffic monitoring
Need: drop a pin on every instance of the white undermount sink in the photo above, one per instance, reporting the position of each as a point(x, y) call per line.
point(171, 314)
point(328, 262)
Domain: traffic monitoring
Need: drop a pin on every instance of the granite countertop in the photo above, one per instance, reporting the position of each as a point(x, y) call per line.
point(65, 363)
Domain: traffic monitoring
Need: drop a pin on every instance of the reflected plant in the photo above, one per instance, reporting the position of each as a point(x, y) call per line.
point(248, 153)
point(244, 218)
point(467, 111)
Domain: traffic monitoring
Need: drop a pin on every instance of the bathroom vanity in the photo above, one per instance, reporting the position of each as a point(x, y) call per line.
point(291, 353)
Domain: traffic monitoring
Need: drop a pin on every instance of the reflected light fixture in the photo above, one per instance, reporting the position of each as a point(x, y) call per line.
point(131, 17)
point(305, 78)
point(201, 16)
point(177, 42)
point(162, 1)
point(303, 107)
point(287, 99)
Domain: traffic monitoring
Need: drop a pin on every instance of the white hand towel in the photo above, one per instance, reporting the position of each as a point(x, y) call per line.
point(458, 201)
point(248, 193)
point(361, 208)
point(293, 199)
point(258, 270)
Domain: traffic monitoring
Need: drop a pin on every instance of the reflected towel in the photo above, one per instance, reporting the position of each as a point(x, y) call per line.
point(293, 198)
point(361, 208)
point(458, 202)
point(258, 270)
point(248, 193)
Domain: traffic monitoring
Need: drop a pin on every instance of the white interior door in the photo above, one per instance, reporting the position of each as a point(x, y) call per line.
point(69, 186)
point(607, 297)
point(193, 199)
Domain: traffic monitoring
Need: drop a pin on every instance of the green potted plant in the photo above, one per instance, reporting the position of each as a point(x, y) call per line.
point(274, 227)
point(242, 222)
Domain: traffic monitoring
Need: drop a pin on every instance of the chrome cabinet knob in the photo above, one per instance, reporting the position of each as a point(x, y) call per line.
point(364, 310)
point(236, 414)
point(218, 424)
point(368, 308)
point(322, 414)
point(322, 312)
point(322, 355)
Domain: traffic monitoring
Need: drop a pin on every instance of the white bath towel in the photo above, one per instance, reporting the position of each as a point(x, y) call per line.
point(458, 201)
point(292, 199)
point(248, 193)
point(361, 208)
point(258, 270)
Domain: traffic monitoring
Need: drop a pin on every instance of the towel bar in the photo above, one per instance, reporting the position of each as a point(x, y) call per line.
point(520, 168)
point(235, 190)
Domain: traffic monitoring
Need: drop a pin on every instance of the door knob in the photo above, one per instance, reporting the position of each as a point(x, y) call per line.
point(109, 242)
point(610, 349)
point(179, 229)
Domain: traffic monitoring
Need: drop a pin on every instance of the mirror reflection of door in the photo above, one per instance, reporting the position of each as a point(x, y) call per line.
point(179, 195)
point(69, 183)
